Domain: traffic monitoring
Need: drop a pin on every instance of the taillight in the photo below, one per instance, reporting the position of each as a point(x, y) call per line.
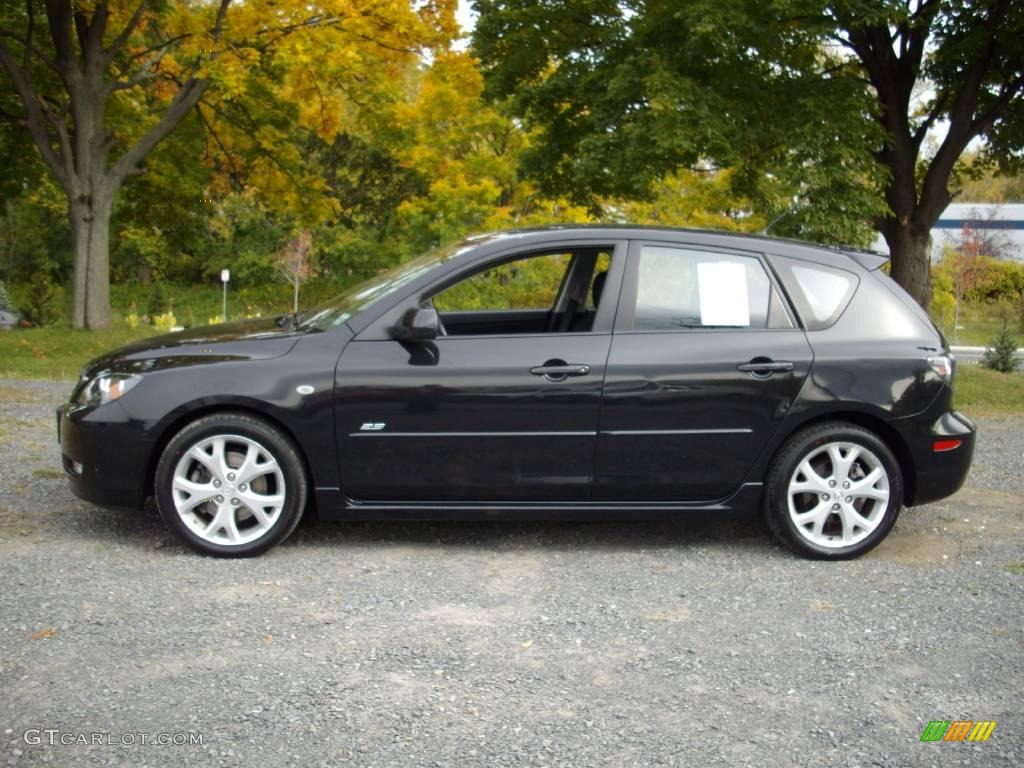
point(941, 446)
point(943, 367)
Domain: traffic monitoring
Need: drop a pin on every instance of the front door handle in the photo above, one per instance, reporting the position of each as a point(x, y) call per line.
point(560, 372)
point(765, 368)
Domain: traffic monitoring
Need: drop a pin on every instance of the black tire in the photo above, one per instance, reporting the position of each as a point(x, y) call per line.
point(273, 442)
point(804, 444)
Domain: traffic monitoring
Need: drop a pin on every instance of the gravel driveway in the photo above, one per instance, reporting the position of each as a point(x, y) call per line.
point(696, 643)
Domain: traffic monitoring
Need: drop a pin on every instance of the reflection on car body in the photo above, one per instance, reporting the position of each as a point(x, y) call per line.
point(566, 371)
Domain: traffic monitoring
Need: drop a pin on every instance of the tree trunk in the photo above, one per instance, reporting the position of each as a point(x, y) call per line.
point(71, 135)
point(295, 302)
point(89, 217)
point(910, 249)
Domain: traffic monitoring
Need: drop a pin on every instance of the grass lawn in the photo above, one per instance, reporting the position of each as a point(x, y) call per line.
point(980, 392)
point(58, 352)
point(979, 324)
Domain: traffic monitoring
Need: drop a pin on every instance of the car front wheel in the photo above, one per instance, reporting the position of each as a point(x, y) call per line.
point(834, 491)
point(231, 485)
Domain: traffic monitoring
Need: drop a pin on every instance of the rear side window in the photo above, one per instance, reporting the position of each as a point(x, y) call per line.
point(682, 288)
point(820, 293)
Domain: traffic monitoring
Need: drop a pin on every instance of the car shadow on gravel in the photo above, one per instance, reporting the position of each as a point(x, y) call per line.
point(86, 521)
point(732, 530)
point(145, 530)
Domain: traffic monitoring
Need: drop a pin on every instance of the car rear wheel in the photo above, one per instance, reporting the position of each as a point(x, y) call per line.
point(231, 485)
point(833, 492)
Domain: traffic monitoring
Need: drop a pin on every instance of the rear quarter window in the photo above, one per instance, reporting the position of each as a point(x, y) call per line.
point(820, 293)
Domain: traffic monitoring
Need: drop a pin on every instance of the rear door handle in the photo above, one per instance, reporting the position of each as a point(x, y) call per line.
point(765, 368)
point(558, 372)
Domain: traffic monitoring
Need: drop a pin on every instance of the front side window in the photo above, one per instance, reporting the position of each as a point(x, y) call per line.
point(679, 288)
point(549, 292)
point(530, 283)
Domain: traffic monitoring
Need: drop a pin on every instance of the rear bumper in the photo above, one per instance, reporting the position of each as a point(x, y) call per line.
point(105, 454)
point(941, 452)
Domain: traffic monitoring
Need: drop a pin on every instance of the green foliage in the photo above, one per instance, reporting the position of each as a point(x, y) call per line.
point(525, 284)
point(159, 302)
point(999, 280)
point(696, 199)
point(34, 235)
point(1001, 355)
point(943, 306)
point(143, 252)
point(822, 111)
point(40, 303)
point(657, 113)
point(979, 278)
point(620, 96)
point(979, 182)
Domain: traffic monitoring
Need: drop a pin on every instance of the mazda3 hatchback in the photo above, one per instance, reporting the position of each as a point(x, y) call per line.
point(558, 372)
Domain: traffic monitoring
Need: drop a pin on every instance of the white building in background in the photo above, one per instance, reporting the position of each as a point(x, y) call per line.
point(1007, 218)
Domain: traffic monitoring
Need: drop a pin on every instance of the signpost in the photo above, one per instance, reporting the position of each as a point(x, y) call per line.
point(225, 276)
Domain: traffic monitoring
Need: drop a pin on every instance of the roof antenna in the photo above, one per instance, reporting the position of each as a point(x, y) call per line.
point(774, 221)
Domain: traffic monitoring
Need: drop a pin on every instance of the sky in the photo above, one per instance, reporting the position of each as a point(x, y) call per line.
point(467, 19)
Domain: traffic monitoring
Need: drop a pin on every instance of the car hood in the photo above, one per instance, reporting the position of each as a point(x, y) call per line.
point(258, 339)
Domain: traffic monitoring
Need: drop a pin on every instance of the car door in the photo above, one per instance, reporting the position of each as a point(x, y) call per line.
point(705, 362)
point(505, 408)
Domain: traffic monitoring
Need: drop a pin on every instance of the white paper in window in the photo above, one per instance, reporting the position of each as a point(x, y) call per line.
point(723, 294)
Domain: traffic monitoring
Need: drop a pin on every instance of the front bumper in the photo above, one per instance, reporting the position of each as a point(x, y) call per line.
point(940, 473)
point(105, 454)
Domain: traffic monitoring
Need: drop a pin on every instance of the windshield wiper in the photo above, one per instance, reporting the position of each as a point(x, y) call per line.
point(291, 318)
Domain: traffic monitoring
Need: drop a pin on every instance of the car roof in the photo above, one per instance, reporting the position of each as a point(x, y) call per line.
point(829, 254)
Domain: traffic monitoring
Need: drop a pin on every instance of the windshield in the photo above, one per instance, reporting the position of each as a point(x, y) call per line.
point(333, 313)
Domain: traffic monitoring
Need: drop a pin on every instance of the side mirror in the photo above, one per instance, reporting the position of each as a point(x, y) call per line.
point(418, 324)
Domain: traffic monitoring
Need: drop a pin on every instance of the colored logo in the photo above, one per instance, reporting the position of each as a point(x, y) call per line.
point(958, 730)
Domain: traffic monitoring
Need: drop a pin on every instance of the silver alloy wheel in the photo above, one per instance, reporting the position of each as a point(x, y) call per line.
point(838, 494)
point(228, 489)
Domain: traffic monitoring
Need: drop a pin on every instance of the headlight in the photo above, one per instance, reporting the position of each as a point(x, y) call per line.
point(106, 388)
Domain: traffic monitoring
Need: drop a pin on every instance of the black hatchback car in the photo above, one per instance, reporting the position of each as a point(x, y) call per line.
point(567, 371)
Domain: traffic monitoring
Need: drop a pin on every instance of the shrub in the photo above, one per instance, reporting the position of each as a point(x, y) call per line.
point(1001, 355)
point(165, 321)
point(132, 318)
point(158, 300)
point(38, 307)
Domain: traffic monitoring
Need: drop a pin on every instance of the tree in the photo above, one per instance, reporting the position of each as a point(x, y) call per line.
point(111, 80)
point(1001, 352)
point(695, 199)
point(466, 153)
point(964, 266)
point(827, 103)
point(981, 183)
point(984, 236)
point(293, 263)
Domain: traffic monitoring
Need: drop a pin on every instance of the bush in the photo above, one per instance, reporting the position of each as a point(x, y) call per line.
point(1001, 355)
point(165, 322)
point(38, 307)
point(159, 303)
